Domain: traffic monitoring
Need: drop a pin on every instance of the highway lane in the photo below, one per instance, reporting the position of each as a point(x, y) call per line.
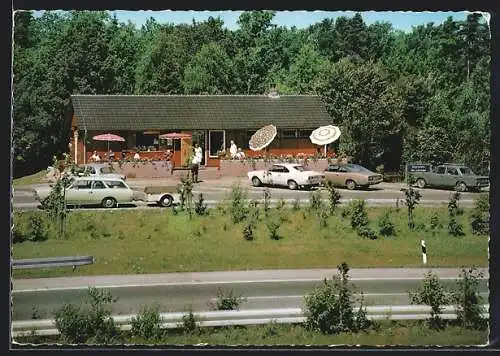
point(176, 292)
point(387, 195)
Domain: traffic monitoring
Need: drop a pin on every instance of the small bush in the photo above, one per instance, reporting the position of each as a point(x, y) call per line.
point(468, 302)
point(315, 201)
point(147, 324)
point(248, 232)
point(333, 197)
point(37, 229)
point(281, 204)
point(366, 232)
point(296, 204)
point(433, 294)
point(386, 226)
point(329, 309)
point(435, 223)
point(359, 216)
point(453, 205)
point(455, 228)
point(480, 216)
point(238, 210)
point(412, 198)
point(17, 235)
point(189, 322)
point(323, 218)
point(71, 323)
point(273, 227)
point(226, 300)
point(200, 207)
point(267, 201)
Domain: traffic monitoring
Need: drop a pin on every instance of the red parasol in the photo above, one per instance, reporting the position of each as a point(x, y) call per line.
point(108, 137)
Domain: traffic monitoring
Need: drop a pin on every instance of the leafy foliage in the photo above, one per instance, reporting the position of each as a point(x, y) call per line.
point(385, 224)
point(480, 216)
point(238, 209)
point(148, 324)
point(227, 300)
point(330, 307)
point(433, 294)
point(412, 198)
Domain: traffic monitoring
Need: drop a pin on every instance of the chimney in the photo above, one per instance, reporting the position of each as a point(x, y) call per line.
point(273, 91)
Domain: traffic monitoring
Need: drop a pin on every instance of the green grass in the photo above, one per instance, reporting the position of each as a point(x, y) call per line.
point(387, 334)
point(155, 241)
point(35, 178)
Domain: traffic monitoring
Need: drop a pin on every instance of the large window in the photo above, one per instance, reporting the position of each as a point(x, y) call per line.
point(216, 142)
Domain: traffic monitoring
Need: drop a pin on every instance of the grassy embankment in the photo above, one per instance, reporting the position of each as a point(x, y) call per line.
point(386, 334)
point(156, 241)
point(35, 178)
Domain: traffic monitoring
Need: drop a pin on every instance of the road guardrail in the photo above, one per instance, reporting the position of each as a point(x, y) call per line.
point(70, 261)
point(243, 317)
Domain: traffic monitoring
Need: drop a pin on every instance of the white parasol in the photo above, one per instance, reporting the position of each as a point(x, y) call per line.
point(262, 138)
point(325, 135)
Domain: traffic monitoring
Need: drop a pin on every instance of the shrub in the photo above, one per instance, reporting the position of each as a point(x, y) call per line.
point(296, 204)
point(226, 300)
point(315, 202)
point(248, 232)
point(333, 196)
point(17, 235)
point(366, 232)
point(72, 324)
point(455, 228)
point(359, 216)
point(273, 226)
point(386, 226)
point(323, 218)
point(453, 205)
point(189, 322)
point(200, 207)
point(238, 210)
point(480, 216)
point(281, 204)
point(469, 304)
point(412, 198)
point(435, 223)
point(185, 190)
point(147, 324)
point(99, 321)
point(330, 308)
point(267, 201)
point(37, 229)
point(431, 293)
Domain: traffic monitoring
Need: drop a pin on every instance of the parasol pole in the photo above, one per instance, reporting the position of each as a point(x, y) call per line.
point(325, 150)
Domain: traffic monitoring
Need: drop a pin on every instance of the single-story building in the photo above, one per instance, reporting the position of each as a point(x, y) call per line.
point(213, 121)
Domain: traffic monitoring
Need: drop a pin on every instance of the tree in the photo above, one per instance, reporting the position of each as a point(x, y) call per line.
point(305, 69)
point(210, 71)
point(363, 101)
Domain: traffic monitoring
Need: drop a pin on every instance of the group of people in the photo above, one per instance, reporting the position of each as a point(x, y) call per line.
point(111, 156)
point(236, 152)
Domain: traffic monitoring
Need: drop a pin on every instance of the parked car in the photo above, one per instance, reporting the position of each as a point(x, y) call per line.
point(351, 176)
point(109, 193)
point(99, 170)
point(287, 174)
point(448, 175)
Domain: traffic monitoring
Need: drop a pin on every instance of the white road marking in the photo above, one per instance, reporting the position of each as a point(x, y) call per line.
point(193, 283)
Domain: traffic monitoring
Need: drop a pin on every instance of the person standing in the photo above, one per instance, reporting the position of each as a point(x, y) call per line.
point(195, 162)
point(233, 149)
point(168, 161)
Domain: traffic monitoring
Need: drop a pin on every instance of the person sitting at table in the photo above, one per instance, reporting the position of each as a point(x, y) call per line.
point(240, 154)
point(136, 156)
point(95, 157)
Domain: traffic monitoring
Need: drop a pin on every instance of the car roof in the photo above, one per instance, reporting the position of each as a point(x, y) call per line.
point(98, 178)
point(288, 165)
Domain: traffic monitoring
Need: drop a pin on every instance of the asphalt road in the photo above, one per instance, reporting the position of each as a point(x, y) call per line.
point(384, 194)
point(178, 291)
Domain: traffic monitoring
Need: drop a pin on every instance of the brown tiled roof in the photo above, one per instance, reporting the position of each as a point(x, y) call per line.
point(189, 112)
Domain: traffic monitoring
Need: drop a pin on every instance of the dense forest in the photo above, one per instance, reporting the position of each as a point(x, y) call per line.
point(397, 97)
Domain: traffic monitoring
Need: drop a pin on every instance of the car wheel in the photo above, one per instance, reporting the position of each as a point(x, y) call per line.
point(350, 184)
point(292, 185)
point(256, 182)
point(461, 187)
point(108, 203)
point(421, 183)
point(166, 201)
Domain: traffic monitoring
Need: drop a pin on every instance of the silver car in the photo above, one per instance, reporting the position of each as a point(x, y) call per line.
point(99, 170)
point(104, 191)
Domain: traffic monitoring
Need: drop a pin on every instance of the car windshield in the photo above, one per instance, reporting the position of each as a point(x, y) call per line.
point(301, 168)
point(106, 170)
point(466, 171)
point(357, 168)
point(116, 184)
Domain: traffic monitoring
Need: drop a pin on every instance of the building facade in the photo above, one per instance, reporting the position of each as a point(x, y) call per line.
point(212, 120)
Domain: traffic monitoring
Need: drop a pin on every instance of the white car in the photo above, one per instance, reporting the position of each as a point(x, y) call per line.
point(99, 170)
point(109, 193)
point(293, 176)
